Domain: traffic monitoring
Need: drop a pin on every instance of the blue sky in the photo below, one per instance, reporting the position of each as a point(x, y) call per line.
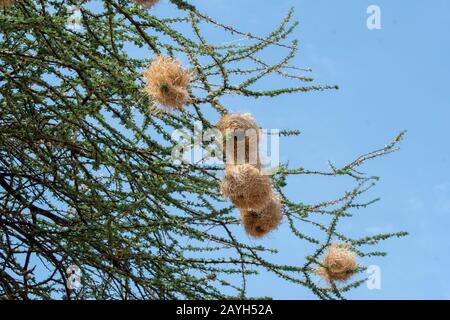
point(390, 79)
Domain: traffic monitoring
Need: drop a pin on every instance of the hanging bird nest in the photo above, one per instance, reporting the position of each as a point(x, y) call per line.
point(242, 137)
point(6, 3)
point(259, 223)
point(167, 82)
point(339, 264)
point(246, 187)
point(146, 3)
point(234, 121)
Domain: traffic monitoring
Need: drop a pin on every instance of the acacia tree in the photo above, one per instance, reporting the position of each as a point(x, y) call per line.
point(86, 174)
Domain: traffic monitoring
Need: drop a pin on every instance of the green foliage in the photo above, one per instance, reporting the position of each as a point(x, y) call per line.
point(86, 176)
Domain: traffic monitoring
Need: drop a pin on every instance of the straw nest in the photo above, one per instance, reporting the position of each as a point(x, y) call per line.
point(146, 3)
point(339, 264)
point(259, 223)
point(6, 3)
point(246, 187)
point(234, 121)
point(167, 82)
point(242, 136)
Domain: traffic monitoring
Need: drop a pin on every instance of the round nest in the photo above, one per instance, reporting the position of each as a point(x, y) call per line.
point(242, 136)
point(235, 121)
point(146, 3)
point(6, 3)
point(167, 82)
point(246, 187)
point(259, 223)
point(339, 264)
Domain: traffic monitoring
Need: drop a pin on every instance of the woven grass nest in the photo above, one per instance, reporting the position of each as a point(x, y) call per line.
point(258, 223)
point(339, 264)
point(6, 3)
point(246, 187)
point(242, 137)
point(167, 82)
